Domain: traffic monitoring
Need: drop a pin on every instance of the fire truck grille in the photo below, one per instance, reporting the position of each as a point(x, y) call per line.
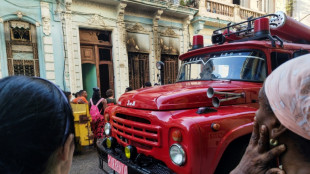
point(136, 131)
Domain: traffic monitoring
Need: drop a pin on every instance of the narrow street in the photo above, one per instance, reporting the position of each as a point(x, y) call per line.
point(87, 163)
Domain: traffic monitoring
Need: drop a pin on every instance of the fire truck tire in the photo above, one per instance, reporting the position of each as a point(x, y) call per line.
point(232, 155)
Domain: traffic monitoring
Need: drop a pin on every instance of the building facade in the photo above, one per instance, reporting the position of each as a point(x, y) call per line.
point(30, 40)
point(114, 44)
point(83, 44)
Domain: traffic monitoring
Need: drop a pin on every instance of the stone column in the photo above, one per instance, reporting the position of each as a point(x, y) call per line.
point(186, 34)
point(48, 42)
point(237, 17)
point(202, 7)
point(121, 60)
point(70, 76)
point(156, 48)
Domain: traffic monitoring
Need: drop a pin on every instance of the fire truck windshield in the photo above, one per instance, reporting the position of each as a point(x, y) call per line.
point(235, 65)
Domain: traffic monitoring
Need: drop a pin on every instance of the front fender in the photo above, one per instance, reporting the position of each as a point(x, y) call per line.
point(234, 121)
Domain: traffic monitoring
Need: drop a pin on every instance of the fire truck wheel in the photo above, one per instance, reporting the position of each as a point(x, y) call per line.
point(232, 155)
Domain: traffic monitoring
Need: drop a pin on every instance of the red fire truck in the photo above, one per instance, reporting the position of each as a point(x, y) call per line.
point(202, 123)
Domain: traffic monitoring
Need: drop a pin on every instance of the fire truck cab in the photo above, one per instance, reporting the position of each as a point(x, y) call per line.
point(202, 123)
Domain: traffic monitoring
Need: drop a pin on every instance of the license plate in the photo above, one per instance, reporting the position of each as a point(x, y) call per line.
point(117, 165)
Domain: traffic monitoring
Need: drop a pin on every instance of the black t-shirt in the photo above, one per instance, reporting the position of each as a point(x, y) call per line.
point(111, 100)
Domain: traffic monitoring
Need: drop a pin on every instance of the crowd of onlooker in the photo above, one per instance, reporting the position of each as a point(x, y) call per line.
point(80, 97)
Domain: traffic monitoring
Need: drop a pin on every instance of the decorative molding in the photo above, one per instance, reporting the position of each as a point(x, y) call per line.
point(20, 24)
point(169, 32)
point(157, 15)
point(167, 48)
point(19, 14)
point(121, 12)
point(1, 20)
point(96, 20)
point(137, 28)
point(68, 5)
point(46, 18)
point(122, 7)
point(38, 24)
point(187, 20)
point(132, 45)
point(199, 25)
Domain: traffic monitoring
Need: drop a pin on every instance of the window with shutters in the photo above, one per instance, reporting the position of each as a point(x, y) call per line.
point(170, 68)
point(21, 48)
point(138, 64)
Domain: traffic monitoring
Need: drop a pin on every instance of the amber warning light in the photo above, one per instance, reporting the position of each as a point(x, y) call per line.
point(197, 42)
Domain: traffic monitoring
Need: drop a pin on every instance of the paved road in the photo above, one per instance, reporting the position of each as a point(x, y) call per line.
point(87, 163)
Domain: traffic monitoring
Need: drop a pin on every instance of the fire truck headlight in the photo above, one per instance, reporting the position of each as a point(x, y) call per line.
point(177, 154)
point(107, 128)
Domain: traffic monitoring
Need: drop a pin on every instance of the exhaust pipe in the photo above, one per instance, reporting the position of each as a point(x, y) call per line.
point(216, 101)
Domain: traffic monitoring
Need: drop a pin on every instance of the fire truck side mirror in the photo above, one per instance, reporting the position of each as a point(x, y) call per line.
point(160, 67)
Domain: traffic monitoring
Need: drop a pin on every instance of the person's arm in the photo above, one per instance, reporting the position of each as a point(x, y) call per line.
point(84, 100)
point(258, 156)
point(104, 103)
point(80, 100)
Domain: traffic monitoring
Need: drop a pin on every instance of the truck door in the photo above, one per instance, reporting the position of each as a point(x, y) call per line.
point(277, 58)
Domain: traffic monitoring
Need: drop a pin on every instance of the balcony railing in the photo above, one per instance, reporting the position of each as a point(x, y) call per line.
point(245, 13)
point(229, 12)
point(220, 8)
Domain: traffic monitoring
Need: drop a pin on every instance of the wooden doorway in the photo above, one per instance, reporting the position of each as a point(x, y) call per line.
point(96, 57)
point(105, 70)
point(138, 64)
point(170, 68)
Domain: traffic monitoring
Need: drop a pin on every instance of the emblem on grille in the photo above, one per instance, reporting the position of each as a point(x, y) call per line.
point(133, 103)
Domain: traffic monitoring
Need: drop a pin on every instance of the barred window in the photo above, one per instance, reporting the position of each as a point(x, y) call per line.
point(21, 48)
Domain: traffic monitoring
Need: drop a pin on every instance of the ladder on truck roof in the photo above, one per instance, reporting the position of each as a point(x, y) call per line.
point(239, 32)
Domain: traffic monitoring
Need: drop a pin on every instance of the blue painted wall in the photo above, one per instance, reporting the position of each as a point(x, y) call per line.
point(31, 10)
point(58, 47)
point(32, 14)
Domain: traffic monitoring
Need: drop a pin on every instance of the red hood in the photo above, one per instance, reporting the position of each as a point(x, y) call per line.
point(182, 95)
